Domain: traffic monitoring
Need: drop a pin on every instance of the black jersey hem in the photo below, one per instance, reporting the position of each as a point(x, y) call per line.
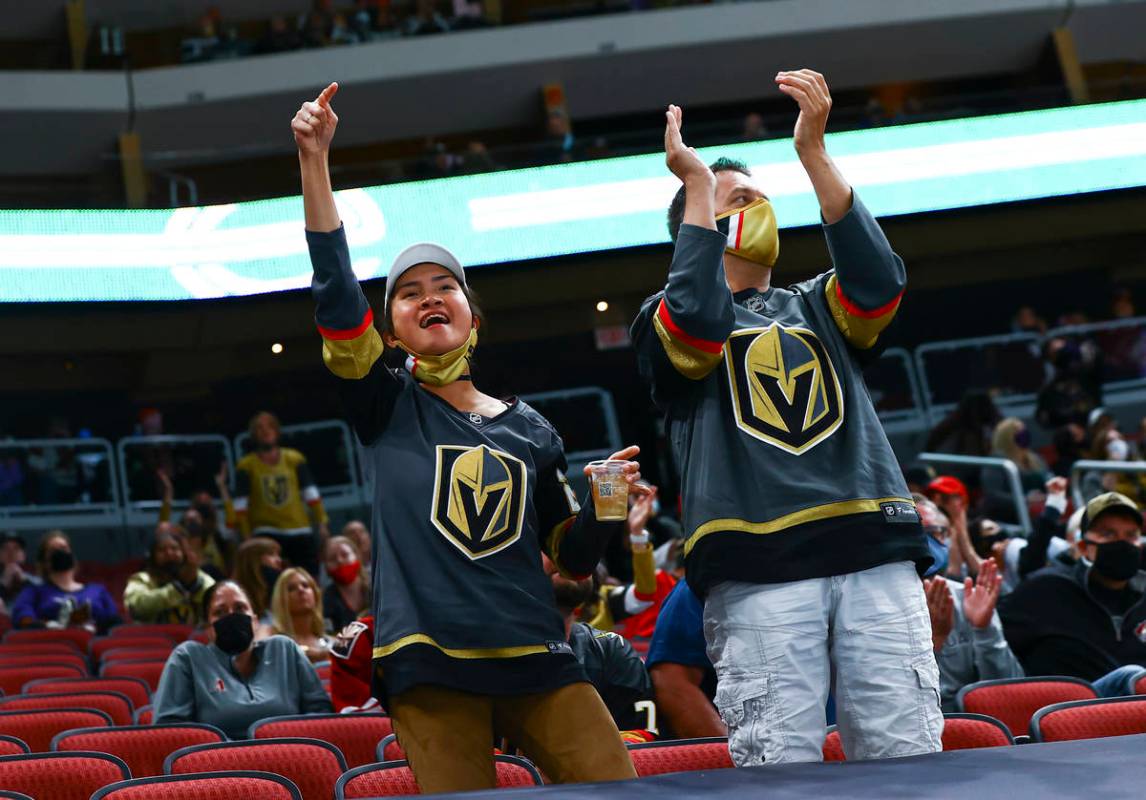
point(817, 549)
point(421, 664)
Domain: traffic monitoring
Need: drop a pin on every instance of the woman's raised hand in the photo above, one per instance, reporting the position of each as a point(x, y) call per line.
point(314, 124)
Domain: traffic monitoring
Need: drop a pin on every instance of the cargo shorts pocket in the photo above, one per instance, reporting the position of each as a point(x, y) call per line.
point(745, 704)
point(930, 713)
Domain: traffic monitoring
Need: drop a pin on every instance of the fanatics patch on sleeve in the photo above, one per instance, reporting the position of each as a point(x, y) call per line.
point(559, 648)
point(899, 512)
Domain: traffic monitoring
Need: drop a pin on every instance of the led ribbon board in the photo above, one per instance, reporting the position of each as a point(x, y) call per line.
point(254, 247)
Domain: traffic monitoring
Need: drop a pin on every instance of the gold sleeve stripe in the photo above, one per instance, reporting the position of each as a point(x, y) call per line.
point(828, 511)
point(645, 573)
point(861, 328)
point(454, 652)
point(352, 358)
point(693, 358)
point(555, 539)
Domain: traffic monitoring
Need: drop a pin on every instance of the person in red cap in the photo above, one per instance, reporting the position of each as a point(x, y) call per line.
point(951, 496)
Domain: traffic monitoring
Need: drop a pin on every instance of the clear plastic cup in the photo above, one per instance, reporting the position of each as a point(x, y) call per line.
point(610, 490)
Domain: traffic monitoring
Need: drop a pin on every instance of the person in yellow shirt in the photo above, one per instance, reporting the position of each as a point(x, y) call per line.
point(275, 496)
point(172, 586)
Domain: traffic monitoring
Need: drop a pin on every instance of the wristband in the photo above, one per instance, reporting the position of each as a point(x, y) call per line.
point(639, 539)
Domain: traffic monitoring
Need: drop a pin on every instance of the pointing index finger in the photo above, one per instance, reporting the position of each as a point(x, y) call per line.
point(327, 93)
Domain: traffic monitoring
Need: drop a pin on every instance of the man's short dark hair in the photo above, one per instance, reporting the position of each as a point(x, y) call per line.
point(676, 207)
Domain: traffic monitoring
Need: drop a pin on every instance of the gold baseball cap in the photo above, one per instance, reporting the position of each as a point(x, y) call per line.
point(1108, 502)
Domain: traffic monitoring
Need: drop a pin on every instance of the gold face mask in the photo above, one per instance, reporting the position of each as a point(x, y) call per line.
point(443, 369)
point(751, 232)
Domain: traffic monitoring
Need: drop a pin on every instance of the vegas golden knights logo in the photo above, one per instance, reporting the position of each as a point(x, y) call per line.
point(479, 498)
point(784, 388)
point(275, 490)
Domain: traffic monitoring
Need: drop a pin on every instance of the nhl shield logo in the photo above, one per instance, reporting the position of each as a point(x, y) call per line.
point(275, 490)
point(784, 387)
point(479, 498)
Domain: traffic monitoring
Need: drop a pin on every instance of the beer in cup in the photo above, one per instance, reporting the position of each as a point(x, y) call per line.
point(610, 490)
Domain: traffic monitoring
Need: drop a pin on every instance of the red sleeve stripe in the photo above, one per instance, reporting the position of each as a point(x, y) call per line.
point(353, 333)
point(856, 311)
point(677, 333)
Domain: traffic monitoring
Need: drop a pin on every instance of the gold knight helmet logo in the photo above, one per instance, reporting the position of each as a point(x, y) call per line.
point(784, 387)
point(479, 498)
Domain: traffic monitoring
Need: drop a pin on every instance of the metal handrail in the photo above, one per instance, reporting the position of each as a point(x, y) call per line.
point(109, 508)
point(1006, 465)
point(1092, 465)
point(608, 409)
point(352, 488)
point(917, 406)
point(930, 406)
point(121, 459)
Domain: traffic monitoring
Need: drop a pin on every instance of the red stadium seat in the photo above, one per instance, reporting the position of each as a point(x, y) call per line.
point(40, 648)
point(680, 755)
point(323, 669)
point(205, 786)
point(43, 660)
point(80, 637)
point(12, 679)
point(136, 689)
point(106, 643)
point(1090, 719)
point(144, 748)
point(149, 671)
point(144, 715)
point(11, 746)
point(137, 653)
point(1013, 701)
point(115, 705)
point(61, 776)
point(960, 732)
point(395, 778)
point(389, 750)
point(37, 727)
point(177, 631)
point(355, 735)
point(312, 765)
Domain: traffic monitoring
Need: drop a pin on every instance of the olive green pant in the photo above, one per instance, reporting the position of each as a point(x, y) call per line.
point(448, 735)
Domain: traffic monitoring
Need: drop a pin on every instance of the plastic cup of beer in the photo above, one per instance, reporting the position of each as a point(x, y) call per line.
point(610, 490)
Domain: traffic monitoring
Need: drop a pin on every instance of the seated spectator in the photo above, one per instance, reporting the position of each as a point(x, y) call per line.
point(201, 522)
point(1075, 385)
point(426, 20)
point(965, 630)
point(171, 587)
point(296, 612)
point(613, 667)
point(234, 680)
point(1124, 348)
point(276, 496)
point(949, 537)
point(1086, 621)
point(315, 29)
point(352, 668)
point(258, 565)
point(341, 32)
point(11, 481)
point(1012, 441)
point(279, 38)
point(1069, 444)
point(754, 128)
point(966, 431)
point(357, 532)
point(61, 601)
point(13, 576)
point(684, 681)
point(348, 595)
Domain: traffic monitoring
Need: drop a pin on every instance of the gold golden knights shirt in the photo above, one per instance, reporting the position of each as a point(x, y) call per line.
point(276, 495)
point(786, 472)
point(463, 506)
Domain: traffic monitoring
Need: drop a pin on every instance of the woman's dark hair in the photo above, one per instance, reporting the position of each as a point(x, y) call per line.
point(42, 552)
point(164, 531)
point(209, 595)
point(676, 207)
point(469, 294)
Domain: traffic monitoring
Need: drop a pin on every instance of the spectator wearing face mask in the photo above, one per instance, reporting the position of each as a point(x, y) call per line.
point(357, 532)
point(348, 595)
point(13, 575)
point(61, 601)
point(949, 536)
point(258, 565)
point(234, 680)
point(1089, 620)
point(210, 539)
point(172, 586)
point(965, 630)
point(1012, 441)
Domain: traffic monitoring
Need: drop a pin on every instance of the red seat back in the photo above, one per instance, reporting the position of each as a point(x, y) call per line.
point(12, 679)
point(115, 705)
point(395, 778)
point(355, 735)
point(204, 786)
point(60, 776)
point(1090, 719)
point(833, 747)
point(37, 727)
point(80, 637)
point(389, 750)
point(145, 715)
point(11, 746)
point(1013, 701)
point(106, 643)
point(144, 748)
point(176, 631)
point(312, 765)
point(67, 648)
point(138, 653)
point(44, 660)
point(149, 671)
point(680, 755)
point(135, 689)
point(960, 732)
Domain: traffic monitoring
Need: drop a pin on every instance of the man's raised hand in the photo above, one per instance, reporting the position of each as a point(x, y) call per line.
point(314, 124)
point(810, 91)
point(682, 160)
